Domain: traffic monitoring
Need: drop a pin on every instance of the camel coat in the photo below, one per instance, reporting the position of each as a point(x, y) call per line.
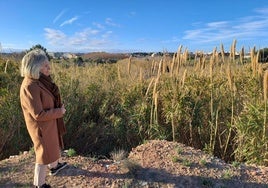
point(40, 117)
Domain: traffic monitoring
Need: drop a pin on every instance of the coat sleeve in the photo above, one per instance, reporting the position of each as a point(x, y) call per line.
point(32, 103)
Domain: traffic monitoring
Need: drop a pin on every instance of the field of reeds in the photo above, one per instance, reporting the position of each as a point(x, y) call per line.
point(212, 102)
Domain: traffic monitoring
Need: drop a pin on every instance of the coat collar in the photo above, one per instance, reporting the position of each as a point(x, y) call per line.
point(36, 81)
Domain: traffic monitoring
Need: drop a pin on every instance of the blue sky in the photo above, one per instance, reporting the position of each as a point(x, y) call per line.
point(132, 25)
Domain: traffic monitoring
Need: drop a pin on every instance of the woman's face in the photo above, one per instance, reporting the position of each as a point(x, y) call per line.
point(45, 68)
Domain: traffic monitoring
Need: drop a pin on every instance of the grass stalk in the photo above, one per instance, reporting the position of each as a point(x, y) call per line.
point(6, 66)
point(231, 86)
point(129, 65)
point(265, 91)
point(118, 72)
point(242, 55)
point(222, 54)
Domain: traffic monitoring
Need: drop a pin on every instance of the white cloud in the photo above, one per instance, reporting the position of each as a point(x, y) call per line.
point(98, 25)
point(132, 13)
point(110, 22)
point(263, 11)
point(221, 24)
point(58, 16)
point(87, 38)
point(54, 36)
point(107, 34)
point(83, 37)
point(243, 28)
point(70, 21)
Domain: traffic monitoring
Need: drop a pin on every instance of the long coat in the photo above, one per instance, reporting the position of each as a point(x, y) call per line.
point(40, 117)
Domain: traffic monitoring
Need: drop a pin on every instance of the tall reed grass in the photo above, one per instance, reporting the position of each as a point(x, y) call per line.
point(213, 102)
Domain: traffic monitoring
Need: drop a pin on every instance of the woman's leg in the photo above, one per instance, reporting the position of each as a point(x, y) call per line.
point(53, 165)
point(39, 174)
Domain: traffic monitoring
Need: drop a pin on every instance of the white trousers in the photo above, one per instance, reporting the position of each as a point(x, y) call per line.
point(40, 172)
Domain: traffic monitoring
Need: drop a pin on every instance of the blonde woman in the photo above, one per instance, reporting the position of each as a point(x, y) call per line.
point(43, 113)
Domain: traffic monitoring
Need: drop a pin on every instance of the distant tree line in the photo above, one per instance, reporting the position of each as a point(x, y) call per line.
point(263, 55)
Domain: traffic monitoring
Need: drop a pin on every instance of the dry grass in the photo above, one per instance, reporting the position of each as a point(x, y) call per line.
point(118, 155)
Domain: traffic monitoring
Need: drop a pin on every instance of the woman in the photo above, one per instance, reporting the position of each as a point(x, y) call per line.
point(43, 113)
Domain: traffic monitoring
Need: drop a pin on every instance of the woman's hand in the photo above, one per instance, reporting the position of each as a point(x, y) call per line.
point(63, 110)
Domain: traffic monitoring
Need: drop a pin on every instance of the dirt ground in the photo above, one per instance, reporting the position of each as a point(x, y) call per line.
point(154, 164)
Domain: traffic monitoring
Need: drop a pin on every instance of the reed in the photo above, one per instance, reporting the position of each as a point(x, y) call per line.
point(212, 112)
point(149, 86)
point(253, 60)
point(233, 51)
point(129, 65)
point(118, 73)
point(154, 107)
point(185, 56)
point(195, 59)
point(242, 55)
point(213, 104)
point(178, 58)
point(222, 53)
point(173, 64)
point(7, 61)
point(183, 78)
point(232, 91)
point(141, 75)
point(265, 91)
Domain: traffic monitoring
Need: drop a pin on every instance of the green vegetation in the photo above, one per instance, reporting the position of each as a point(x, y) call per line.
point(203, 162)
point(227, 174)
point(71, 152)
point(175, 159)
point(212, 102)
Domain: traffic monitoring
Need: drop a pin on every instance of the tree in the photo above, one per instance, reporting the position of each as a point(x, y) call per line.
point(39, 46)
point(79, 61)
point(263, 55)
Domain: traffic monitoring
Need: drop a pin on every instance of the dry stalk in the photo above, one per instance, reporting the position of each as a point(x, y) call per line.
point(154, 117)
point(233, 51)
point(242, 55)
point(212, 130)
point(173, 64)
point(203, 61)
point(256, 65)
point(232, 89)
point(178, 60)
point(195, 59)
point(222, 53)
point(156, 107)
point(212, 63)
point(141, 75)
point(118, 72)
point(185, 56)
point(129, 65)
point(252, 57)
point(260, 71)
point(164, 66)
point(149, 86)
point(153, 66)
point(229, 77)
point(265, 85)
point(183, 78)
point(6, 65)
point(217, 57)
point(265, 91)
point(156, 82)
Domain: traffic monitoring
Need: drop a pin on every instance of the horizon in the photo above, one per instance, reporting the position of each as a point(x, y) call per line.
point(132, 26)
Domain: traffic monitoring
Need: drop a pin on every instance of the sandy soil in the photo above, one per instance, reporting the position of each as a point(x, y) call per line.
point(157, 163)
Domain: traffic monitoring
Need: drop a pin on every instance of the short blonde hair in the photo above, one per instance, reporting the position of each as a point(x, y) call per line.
point(32, 62)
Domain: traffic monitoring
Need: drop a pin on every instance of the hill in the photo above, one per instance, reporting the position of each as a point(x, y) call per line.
point(105, 55)
point(153, 164)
